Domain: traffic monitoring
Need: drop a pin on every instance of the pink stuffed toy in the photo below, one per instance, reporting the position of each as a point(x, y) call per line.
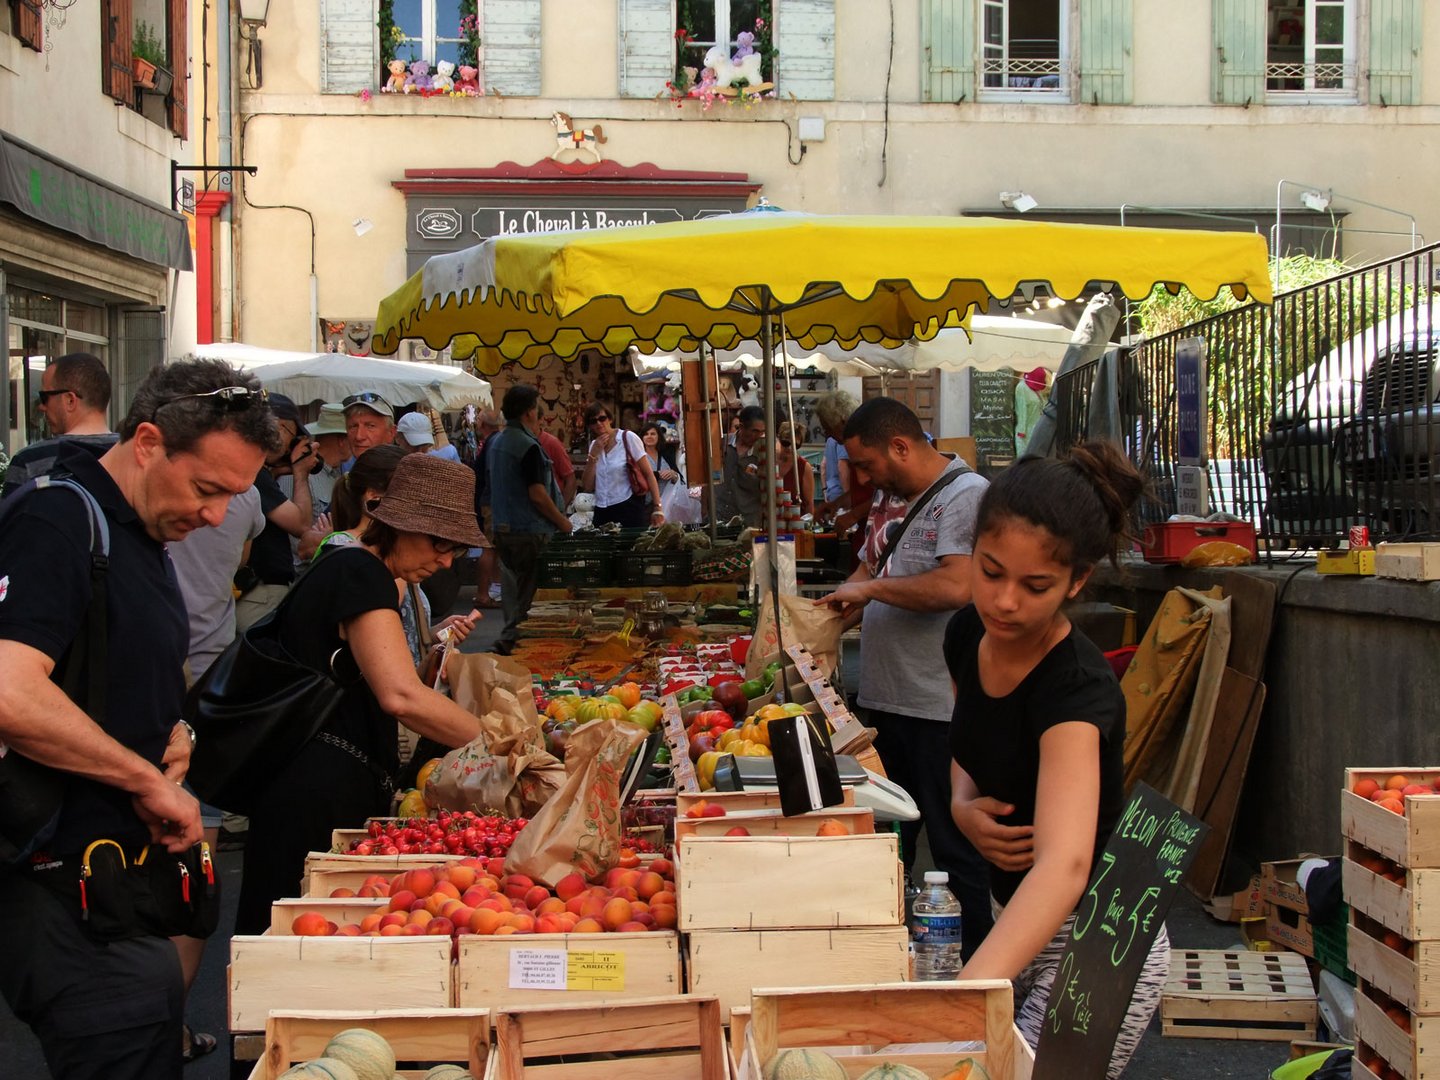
point(469, 83)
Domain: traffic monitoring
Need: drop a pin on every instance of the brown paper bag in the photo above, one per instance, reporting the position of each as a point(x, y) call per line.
point(579, 829)
point(475, 676)
point(506, 768)
point(801, 623)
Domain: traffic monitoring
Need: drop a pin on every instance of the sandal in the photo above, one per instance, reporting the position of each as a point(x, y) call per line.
point(197, 1044)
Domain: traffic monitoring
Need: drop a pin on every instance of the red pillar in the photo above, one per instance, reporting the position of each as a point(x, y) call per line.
point(207, 206)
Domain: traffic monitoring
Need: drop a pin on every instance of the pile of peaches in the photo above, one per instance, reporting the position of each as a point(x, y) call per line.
point(476, 896)
point(1391, 794)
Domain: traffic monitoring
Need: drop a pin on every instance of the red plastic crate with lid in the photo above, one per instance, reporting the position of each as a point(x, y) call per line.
point(1171, 541)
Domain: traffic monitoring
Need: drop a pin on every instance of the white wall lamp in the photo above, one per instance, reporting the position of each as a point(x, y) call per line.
point(1319, 201)
point(1018, 201)
point(253, 15)
point(362, 225)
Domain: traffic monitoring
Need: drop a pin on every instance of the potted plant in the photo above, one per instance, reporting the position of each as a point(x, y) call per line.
point(149, 58)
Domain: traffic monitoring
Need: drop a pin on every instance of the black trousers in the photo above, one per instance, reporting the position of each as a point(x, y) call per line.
point(633, 513)
point(519, 577)
point(916, 755)
point(108, 1010)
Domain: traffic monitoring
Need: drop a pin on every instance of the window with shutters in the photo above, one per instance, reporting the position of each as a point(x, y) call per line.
point(1310, 49)
point(29, 24)
point(144, 59)
point(432, 30)
point(1024, 50)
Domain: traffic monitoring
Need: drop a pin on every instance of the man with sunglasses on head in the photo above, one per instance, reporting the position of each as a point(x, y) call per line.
point(369, 422)
point(194, 437)
point(74, 397)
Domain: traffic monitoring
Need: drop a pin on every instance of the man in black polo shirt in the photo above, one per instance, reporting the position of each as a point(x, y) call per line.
point(195, 435)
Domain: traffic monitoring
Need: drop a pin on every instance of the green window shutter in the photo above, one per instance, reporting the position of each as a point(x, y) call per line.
point(805, 40)
point(947, 36)
point(349, 49)
point(1395, 52)
point(1106, 47)
point(647, 47)
point(510, 39)
point(1238, 63)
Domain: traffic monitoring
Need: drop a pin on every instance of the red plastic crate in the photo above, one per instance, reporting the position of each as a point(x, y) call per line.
point(1171, 541)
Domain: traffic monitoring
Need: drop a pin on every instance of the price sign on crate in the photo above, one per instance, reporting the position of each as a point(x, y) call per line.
point(682, 768)
point(1116, 922)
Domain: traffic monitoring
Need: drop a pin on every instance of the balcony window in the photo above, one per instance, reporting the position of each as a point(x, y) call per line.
point(1024, 50)
point(1310, 49)
point(719, 22)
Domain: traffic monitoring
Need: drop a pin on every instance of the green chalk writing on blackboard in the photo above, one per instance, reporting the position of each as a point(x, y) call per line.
point(1138, 825)
point(1092, 897)
point(1067, 997)
point(1139, 923)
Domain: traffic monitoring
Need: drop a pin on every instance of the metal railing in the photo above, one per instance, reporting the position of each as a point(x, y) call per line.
point(1323, 409)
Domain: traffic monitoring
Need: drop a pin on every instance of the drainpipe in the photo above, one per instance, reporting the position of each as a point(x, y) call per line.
point(226, 92)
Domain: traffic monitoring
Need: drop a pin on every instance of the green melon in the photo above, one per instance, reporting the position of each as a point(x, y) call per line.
point(889, 1070)
point(324, 1068)
point(364, 1051)
point(803, 1065)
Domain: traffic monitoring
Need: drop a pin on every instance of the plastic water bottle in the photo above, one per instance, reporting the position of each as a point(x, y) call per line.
point(935, 930)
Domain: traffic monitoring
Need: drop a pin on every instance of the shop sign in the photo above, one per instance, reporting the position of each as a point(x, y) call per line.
point(489, 221)
point(1190, 400)
point(439, 223)
point(49, 191)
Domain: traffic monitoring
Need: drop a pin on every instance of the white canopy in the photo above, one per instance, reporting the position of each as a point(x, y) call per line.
point(307, 377)
point(996, 342)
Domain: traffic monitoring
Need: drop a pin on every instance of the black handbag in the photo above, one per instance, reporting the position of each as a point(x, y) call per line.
point(805, 768)
point(254, 709)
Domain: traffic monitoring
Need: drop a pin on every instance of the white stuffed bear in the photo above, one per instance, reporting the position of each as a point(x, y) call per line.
point(443, 78)
point(728, 72)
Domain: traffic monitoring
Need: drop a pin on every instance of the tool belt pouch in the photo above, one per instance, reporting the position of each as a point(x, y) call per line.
point(158, 893)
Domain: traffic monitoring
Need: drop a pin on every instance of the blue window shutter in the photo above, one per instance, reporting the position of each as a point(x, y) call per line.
point(1106, 48)
point(647, 47)
point(1395, 52)
point(947, 35)
point(510, 41)
point(805, 39)
point(1238, 62)
point(349, 46)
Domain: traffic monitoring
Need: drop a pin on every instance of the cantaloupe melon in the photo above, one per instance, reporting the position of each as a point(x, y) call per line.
point(364, 1051)
point(803, 1065)
point(321, 1069)
point(448, 1072)
point(889, 1070)
point(967, 1069)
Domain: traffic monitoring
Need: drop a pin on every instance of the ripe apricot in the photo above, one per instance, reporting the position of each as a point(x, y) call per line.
point(506, 930)
point(831, 827)
point(587, 926)
point(1365, 788)
point(313, 924)
point(615, 913)
point(421, 881)
point(549, 924)
point(420, 918)
point(665, 915)
point(551, 905)
point(392, 930)
point(1397, 782)
point(649, 884)
point(341, 893)
point(536, 895)
point(461, 876)
point(521, 920)
point(631, 927)
point(485, 920)
point(570, 885)
point(401, 901)
point(440, 927)
point(370, 922)
point(1381, 793)
point(665, 868)
point(628, 859)
point(1416, 789)
point(1395, 806)
point(662, 898)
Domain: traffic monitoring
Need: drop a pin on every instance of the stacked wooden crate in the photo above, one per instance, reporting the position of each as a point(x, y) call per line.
point(1392, 884)
point(785, 907)
point(421, 1038)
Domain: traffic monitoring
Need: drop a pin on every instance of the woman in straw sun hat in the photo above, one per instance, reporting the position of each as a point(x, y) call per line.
point(347, 602)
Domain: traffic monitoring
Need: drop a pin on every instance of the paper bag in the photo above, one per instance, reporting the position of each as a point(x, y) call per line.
point(760, 566)
point(475, 676)
point(506, 768)
point(801, 623)
point(579, 829)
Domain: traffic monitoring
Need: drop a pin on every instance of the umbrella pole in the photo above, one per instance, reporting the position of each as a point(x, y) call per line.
point(711, 423)
point(772, 541)
point(790, 408)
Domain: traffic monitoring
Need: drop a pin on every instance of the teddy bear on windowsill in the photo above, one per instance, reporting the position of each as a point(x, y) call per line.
point(469, 83)
point(396, 84)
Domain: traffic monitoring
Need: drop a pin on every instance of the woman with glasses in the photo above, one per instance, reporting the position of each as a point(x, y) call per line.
point(343, 616)
point(786, 455)
point(616, 466)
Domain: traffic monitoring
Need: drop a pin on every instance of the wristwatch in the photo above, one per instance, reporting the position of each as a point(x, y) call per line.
point(189, 731)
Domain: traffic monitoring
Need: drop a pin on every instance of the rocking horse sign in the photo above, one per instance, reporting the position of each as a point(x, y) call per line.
point(570, 137)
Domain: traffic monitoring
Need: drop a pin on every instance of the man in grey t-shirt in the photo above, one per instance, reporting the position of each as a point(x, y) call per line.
point(906, 601)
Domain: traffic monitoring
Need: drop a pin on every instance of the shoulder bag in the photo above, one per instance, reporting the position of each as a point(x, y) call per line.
point(911, 514)
point(638, 484)
point(254, 708)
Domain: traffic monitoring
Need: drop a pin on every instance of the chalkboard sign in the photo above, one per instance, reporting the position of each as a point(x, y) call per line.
point(992, 412)
point(1116, 922)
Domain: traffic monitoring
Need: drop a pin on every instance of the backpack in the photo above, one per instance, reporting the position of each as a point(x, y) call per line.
point(32, 795)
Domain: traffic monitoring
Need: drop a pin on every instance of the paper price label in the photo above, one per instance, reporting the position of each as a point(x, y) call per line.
point(538, 969)
point(596, 971)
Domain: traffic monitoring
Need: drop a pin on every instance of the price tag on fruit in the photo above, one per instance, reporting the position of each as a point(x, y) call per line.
point(596, 971)
point(539, 969)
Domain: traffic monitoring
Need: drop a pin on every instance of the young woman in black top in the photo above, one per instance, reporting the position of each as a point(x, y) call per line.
point(1039, 724)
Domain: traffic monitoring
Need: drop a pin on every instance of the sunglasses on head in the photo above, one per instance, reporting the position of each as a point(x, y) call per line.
point(368, 397)
point(229, 398)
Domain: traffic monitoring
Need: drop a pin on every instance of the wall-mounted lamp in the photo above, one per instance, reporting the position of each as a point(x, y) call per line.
point(362, 225)
point(253, 15)
point(1018, 201)
point(1319, 201)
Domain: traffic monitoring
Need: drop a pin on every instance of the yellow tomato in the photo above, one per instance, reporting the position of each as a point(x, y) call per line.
point(628, 693)
point(772, 712)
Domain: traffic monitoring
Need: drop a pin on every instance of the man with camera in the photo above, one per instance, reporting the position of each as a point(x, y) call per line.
point(272, 563)
point(110, 1004)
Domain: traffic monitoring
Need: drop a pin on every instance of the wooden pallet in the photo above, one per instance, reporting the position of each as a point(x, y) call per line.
point(442, 1036)
point(1215, 994)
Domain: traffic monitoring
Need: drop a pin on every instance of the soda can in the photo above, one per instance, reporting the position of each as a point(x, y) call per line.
point(1359, 536)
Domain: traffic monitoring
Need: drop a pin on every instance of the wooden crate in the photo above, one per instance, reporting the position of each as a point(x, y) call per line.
point(422, 1037)
point(1412, 910)
point(1408, 562)
point(325, 876)
point(339, 911)
point(678, 1038)
point(774, 823)
point(1413, 981)
point(624, 966)
point(1278, 884)
point(847, 1022)
point(1411, 839)
point(734, 801)
point(1415, 1054)
point(1215, 994)
point(727, 963)
point(279, 971)
point(800, 882)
